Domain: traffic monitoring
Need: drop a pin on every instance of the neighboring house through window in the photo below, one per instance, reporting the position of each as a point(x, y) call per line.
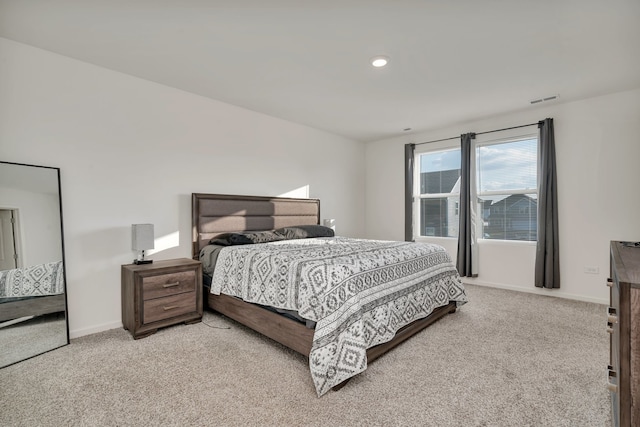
point(439, 193)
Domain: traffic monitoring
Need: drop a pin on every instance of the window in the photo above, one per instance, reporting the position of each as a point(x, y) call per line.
point(438, 193)
point(506, 190)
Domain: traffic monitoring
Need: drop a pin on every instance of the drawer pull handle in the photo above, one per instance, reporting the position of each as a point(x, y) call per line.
point(612, 388)
point(169, 307)
point(612, 319)
point(170, 285)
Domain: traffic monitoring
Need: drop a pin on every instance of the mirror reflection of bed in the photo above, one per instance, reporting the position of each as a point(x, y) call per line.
point(32, 281)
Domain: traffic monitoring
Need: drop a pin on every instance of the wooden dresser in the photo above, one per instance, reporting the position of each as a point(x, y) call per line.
point(161, 294)
point(624, 327)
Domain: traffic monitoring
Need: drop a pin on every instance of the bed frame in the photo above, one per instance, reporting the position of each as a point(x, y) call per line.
point(216, 214)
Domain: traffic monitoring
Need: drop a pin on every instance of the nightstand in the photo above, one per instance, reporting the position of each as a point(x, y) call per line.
point(161, 294)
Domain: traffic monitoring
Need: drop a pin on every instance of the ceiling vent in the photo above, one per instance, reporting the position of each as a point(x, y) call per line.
point(547, 99)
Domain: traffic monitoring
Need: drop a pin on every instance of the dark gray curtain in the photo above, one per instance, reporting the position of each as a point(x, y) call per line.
point(465, 231)
point(547, 272)
point(408, 191)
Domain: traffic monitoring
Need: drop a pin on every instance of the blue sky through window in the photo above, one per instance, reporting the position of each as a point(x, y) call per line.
point(440, 161)
point(506, 166)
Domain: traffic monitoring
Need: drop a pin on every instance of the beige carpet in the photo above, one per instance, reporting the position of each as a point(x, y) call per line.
point(504, 359)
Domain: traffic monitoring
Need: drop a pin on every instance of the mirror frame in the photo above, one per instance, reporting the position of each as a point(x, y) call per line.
point(64, 266)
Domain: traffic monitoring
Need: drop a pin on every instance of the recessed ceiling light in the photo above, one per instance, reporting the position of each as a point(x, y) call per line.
point(379, 61)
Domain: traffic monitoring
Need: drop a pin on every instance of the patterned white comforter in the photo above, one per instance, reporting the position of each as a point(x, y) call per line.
point(36, 280)
point(360, 292)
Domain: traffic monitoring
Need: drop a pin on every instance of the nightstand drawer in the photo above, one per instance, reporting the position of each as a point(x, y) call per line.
point(168, 284)
point(160, 294)
point(168, 307)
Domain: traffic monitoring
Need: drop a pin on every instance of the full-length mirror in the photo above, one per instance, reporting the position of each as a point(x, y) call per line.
point(33, 317)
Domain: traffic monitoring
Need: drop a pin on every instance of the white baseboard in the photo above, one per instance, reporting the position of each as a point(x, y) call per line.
point(77, 333)
point(538, 291)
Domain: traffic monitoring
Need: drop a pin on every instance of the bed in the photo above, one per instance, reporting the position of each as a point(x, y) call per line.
point(32, 291)
point(362, 297)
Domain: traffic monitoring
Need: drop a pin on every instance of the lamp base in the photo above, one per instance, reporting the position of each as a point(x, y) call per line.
point(142, 261)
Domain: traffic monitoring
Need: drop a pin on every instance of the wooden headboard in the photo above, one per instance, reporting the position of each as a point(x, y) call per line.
point(216, 214)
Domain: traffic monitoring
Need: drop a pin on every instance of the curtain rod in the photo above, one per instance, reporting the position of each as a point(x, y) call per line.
point(479, 133)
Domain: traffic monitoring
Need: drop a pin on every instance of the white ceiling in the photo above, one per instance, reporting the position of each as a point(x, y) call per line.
point(308, 61)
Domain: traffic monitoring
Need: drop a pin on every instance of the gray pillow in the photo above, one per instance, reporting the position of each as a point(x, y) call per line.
point(305, 231)
point(247, 238)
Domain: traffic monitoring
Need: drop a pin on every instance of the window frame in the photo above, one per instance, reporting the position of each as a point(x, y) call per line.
point(477, 194)
point(453, 145)
point(418, 197)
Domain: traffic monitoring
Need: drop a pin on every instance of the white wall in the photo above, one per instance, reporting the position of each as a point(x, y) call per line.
point(132, 151)
point(38, 224)
point(598, 151)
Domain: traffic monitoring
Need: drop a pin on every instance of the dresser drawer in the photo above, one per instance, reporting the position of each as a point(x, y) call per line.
point(624, 325)
point(168, 307)
point(168, 284)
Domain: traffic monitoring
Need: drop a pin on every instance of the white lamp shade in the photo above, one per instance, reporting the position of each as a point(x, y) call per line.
point(142, 237)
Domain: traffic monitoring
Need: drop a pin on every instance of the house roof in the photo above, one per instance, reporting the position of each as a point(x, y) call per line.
point(514, 199)
point(439, 181)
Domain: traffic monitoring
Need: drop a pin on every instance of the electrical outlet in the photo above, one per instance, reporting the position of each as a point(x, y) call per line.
point(591, 270)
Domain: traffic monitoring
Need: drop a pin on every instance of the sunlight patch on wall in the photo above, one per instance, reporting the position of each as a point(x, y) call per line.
point(168, 241)
point(301, 193)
